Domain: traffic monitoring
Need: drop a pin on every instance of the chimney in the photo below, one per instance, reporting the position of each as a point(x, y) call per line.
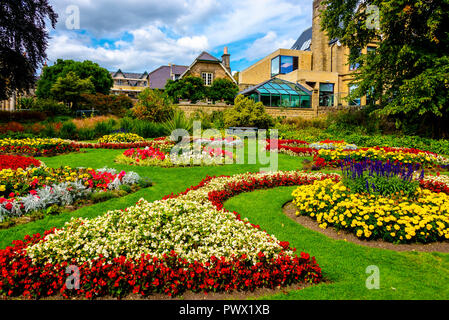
point(226, 59)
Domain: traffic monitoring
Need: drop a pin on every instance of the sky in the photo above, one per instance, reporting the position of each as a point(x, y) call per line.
point(141, 35)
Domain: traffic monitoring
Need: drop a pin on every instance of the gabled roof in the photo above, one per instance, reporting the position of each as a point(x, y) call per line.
point(204, 56)
point(304, 41)
point(160, 76)
point(129, 75)
point(207, 57)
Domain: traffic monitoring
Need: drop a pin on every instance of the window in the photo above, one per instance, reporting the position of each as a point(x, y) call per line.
point(207, 78)
point(119, 82)
point(283, 65)
point(326, 94)
point(355, 102)
point(275, 63)
point(370, 49)
point(286, 64)
point(355, 52)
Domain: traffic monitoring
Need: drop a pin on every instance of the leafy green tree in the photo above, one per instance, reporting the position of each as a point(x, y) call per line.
point(70, 88)
point(247, 113)
point(189, 88)
point(23, 41)
point(100, 77)
point(223, 89)
point(107, 104)
point(153, 105)
point(408, 72)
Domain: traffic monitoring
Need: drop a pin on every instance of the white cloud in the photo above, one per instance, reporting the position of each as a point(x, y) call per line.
point(138, 35)
point(264, 46)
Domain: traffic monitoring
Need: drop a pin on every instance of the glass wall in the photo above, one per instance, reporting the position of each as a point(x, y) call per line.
point(280, 93)
point(283, 65)
point(275, 65)
point(326, 94)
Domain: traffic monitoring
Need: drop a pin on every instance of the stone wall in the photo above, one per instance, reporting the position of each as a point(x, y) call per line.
point(190, 109)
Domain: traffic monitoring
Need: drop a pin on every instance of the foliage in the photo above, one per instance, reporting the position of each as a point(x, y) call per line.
point(178, 121)
point(70, 88)
point(222, 89)
point(247, 113)
point(106, 104)
point(23, 41)
point(100, 77)
point(408, 72)
point(188, 88)
point(152, 105)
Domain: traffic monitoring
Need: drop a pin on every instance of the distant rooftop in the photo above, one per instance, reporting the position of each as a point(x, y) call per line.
point(304, 41)
point(160, 76)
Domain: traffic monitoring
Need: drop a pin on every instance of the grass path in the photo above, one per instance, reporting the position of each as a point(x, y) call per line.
point(403, 275)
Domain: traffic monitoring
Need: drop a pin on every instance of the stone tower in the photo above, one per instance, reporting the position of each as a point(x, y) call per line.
point(320, 41)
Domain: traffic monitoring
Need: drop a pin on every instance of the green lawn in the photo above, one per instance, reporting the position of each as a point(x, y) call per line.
point(409, 275)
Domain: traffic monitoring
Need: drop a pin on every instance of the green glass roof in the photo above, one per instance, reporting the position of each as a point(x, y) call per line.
point(277, 87)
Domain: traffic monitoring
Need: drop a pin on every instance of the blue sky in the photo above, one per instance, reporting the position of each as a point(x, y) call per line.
point(141, 35)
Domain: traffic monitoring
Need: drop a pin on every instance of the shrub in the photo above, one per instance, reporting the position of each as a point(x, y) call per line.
point(153, 105)
point(223, 89)
point(178, 121)
point(21, 116)
point(107, 104)
point(86, 134)
point(51, 107)
point(247, 113)
point(68, 131)
point(104, 128)
point(188, 88)
point(12, 127)
point(102, 196)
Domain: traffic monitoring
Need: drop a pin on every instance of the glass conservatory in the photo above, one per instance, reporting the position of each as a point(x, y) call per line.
point(280, 93)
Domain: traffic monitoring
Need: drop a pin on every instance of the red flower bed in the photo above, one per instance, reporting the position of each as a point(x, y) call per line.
point(292, 146)
point(114, 145)
point(170, 275)
point(16, 162)
point(52, 150)
point(147, 153)
point(434, 186)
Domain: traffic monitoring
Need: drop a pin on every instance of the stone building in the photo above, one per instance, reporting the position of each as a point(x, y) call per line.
point(316, 62)
point(210, 68)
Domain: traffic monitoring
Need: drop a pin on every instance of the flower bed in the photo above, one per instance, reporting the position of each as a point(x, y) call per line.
point(220, 142)
point(121, 138)
point(163, 143)
point(159, 154)
point(16, 162)
point(183, 242)
point(36, 146)
point(330, 153)
point(380, 201)
point(24, 191)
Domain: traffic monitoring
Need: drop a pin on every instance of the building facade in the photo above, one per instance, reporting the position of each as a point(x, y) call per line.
point(128, 83)
point(316, 62)
point(210, 68)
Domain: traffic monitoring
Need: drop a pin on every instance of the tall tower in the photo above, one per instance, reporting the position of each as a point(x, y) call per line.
point(320, 41)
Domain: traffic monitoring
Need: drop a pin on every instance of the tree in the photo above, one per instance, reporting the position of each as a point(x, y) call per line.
point(100, 77)
point(189, 88)
point(153, 105)
point(23, 41)
point(70, 88)
point(247, 113)
point(408, 72)
point(223, 89)
point(107, 104)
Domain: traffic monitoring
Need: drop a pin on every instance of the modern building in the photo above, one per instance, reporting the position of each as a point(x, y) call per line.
point(210, 68)
point(128, 83)
point(317, 63)
point(280, 93)
point(160, 76)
